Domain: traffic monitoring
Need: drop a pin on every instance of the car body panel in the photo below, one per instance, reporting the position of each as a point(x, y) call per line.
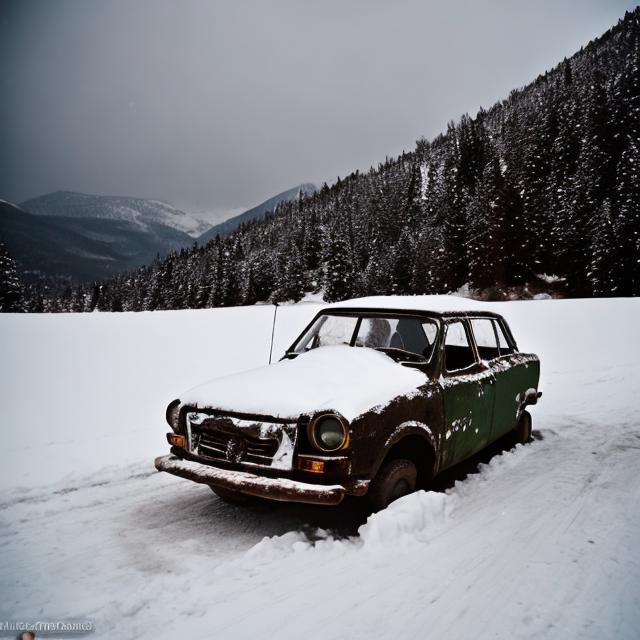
point(468, 407)
point(515, 374)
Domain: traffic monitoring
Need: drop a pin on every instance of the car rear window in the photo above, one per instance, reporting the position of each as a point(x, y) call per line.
point(503, 342)
point(485, 336)
point(458, 353)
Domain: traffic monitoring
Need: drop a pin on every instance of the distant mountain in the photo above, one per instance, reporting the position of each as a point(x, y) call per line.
point(138, 211)
point(90, 237)
point(230, 225)
point(83, 248)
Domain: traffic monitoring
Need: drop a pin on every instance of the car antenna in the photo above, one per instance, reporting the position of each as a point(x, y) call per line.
point(273, 328)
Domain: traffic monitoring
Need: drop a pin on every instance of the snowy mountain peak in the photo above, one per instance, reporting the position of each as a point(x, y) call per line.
point(139, 211)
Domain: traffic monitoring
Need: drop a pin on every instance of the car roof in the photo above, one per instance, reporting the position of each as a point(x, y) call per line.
point(441, 306)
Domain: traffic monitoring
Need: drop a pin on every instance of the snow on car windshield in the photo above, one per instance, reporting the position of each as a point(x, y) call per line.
point(416, 335)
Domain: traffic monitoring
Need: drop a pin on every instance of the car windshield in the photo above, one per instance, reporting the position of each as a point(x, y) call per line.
point(391, 333)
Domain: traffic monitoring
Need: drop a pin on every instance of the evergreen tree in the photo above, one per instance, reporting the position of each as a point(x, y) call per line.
point(338, 280)
point(402, 259)
point(430, 267)
point(11, 292)
point(486, 230)
point(292, 280)
point(626, 228)
point(602, 253)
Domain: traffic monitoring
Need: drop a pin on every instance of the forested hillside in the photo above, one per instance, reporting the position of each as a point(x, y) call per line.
point(544, 186)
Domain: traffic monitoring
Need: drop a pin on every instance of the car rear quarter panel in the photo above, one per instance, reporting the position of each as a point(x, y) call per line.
point(515, 374)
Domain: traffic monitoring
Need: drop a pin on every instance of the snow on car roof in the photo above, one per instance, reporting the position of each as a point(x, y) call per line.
point(441, 304)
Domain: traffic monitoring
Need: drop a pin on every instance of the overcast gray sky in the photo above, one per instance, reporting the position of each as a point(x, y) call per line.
point(215, 105)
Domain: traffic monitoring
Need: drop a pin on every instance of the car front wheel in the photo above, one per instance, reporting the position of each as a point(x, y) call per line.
point(395, 479)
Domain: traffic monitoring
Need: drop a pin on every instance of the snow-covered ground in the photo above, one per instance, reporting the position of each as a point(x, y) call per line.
point(542, 542)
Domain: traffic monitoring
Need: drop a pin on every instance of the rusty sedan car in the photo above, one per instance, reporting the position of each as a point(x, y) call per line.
point(375, 397)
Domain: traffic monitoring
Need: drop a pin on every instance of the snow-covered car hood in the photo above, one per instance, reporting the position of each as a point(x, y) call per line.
point(350, 380)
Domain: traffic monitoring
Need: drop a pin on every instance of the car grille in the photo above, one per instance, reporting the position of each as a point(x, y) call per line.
point(217, 444)
point(241, 441)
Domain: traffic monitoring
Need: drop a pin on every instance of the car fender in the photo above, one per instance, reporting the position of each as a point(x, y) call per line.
point(403, 430)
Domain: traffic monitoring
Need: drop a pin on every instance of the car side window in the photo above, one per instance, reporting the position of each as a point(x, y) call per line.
point(430, 329)
point(503, 343)
point(458, 353)
point(485, 338)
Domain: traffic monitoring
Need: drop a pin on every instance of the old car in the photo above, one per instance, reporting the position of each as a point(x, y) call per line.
point(375, 397)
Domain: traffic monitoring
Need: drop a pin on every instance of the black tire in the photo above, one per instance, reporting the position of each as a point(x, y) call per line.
point(395, 479)
point(522, 431)
point(231, 497)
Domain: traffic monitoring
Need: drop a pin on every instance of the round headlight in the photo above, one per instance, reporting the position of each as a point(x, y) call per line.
point(329, 433)
point(173, 415)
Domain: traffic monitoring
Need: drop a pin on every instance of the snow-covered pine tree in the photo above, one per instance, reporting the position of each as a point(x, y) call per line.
point(402, 261)
point(452, 206)
point(291, 277)
point(528, 160)
point(430, 267)
point(338, 277)
point(311, 242)
point(602, 253)
point(486, 228)
point(11, 293)
point(626, 270)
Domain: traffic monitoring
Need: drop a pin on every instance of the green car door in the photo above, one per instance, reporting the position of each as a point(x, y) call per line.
point(469, 393)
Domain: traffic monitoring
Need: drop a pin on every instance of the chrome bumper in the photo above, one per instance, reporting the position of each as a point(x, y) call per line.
point(250, 484)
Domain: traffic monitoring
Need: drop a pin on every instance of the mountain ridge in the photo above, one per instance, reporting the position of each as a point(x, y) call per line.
point(140, 211)
point(82, 249)
point(228, 226)
point(81, 226)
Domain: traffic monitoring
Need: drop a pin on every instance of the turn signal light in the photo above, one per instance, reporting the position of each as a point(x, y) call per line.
point(175, 439)
point(309, 464)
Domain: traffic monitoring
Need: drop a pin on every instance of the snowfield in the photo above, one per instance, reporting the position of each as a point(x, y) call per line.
point(537, 542)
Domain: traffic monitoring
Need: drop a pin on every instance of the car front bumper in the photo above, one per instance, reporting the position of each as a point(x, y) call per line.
point(283, 489)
